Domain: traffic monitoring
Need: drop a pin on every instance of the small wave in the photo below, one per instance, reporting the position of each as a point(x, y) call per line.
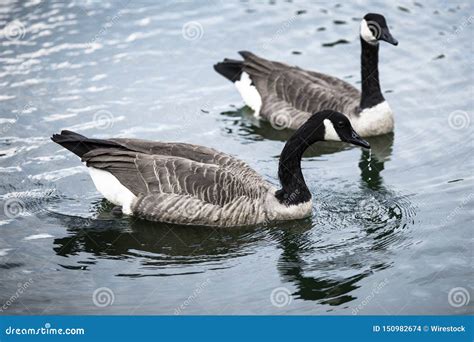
point(38, 236)
point(4, 251)
point(56, 117)
point(59, 174)
point(6, 97)
point(95, 124)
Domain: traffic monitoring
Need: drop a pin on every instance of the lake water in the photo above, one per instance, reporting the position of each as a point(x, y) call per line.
point(391, 231)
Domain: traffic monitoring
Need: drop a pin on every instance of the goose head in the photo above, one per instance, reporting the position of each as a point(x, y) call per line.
point(337, 127)
point(373, 28)
point(325, 125)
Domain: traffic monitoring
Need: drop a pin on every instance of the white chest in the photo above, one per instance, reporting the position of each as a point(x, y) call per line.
point(278, 212)
point(374, 121)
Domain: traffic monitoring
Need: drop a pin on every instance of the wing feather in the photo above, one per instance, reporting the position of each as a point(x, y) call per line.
point(212, 183)
point(298, 93)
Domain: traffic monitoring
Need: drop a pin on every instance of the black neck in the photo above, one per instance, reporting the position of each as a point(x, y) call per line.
point(294, 190)
point(371, 94)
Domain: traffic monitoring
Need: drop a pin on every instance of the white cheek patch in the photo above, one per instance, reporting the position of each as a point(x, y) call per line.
point(329, 131)
point(366, 34)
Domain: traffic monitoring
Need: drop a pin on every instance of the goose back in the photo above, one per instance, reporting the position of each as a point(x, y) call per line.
point(294, 94)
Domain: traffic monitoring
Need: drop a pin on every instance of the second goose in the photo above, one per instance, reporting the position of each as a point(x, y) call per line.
point(196, 185)
point(287, 96)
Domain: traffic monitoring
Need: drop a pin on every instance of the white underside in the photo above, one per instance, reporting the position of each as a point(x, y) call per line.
point(277, 211)
point(249, 93)
point(374, 121)
point(110, 187)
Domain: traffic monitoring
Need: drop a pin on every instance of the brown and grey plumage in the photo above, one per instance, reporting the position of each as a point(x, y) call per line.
point(190, 184)
point(288, 95)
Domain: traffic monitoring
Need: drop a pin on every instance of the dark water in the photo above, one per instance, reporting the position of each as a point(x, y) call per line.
point(391, 231)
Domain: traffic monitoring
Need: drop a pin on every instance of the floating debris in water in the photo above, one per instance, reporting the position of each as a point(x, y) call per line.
point(337, 42)
point(439, 57)
point(339, 22)
point(417, 4)
point(321, 29)
point(299, 12)
point(403, 9)
point(296, 52)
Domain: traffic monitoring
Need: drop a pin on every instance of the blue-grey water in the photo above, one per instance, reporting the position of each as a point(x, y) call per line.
point(391, 231)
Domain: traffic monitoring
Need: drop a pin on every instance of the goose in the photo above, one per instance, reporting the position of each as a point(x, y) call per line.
point(189, 184)
point(287, 95)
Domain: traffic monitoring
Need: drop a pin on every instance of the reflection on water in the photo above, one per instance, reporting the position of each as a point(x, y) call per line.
point(372, 162)
point(159, 247)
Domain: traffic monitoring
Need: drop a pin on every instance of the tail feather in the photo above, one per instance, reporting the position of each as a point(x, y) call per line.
point(257, 63)
point(252, 64)
point(79, 144)
point(230, 69)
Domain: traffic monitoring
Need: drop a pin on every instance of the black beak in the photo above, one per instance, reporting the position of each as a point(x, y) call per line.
point(355, 139)
point(387, 36)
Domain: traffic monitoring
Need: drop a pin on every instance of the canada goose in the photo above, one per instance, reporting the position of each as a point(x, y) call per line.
point(287, 95)
point(191, 184)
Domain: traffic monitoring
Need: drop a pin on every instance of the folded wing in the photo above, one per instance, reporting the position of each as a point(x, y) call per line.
point(297, 93)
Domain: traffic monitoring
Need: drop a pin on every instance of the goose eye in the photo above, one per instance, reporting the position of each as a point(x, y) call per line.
point(340, 124)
